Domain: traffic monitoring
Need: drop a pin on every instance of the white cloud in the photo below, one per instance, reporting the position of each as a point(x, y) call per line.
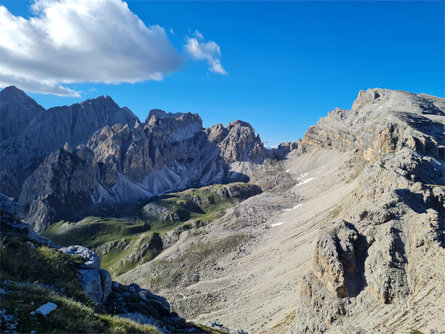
point(198, 34)
point(209, 51)
point(72, 41)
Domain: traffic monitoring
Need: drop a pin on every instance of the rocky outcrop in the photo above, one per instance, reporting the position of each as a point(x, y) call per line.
point(11, 223)
point(96, 282)
point(165, 153)
point(239, 191)
point(381, 121)
point(338, 258)
point(387, 240)
point(238, 142)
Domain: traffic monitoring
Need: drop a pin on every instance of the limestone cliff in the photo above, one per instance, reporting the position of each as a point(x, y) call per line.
point(238, 142)
point(384, 249)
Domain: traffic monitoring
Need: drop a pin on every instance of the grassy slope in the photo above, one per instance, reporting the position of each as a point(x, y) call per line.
point(70, 316)
point(93, 232)
point(32, 276)
point(40, 275)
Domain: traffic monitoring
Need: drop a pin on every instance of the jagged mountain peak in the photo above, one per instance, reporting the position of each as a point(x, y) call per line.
point(238, 123)
point(159, 113)
point(17, 110)
point(102, 99)
point(12, 91)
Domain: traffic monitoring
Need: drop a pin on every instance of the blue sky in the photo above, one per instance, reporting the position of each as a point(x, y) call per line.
point(287, 63)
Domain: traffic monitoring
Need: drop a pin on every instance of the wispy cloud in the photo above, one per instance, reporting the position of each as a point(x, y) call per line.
point(71, 41)
point(209, 51)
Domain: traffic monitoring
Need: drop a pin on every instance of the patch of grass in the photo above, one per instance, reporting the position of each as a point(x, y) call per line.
point(69, 317)
point(110, 260)
point(203, 250)
point(92, 231)
point(20, 262)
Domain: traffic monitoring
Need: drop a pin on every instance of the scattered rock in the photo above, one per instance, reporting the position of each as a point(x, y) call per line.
point(46, 309)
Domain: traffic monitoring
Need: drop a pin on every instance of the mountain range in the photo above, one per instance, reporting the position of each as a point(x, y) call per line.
point(341, 231)
point(67, 162)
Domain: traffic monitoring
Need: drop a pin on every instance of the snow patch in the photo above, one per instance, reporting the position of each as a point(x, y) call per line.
point(305, 181)
point(302, 176)
point(293, 208)
point(277, 224)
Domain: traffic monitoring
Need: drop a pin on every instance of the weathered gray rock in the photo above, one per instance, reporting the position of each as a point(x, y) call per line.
point(238, 142)
point(105, 278)
point(11, 222)
point(46, 309)
point(92, 260)
point(154, 209)
point(96, 282)
point(17, 110)
point(100, 155)
point(387, 241)
point(60, 188)
point(48, 131)
point(91, 282)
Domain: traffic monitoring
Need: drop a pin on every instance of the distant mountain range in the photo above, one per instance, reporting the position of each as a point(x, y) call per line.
point(65, 162)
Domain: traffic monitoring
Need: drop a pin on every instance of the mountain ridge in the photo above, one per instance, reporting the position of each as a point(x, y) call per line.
point(167, 152)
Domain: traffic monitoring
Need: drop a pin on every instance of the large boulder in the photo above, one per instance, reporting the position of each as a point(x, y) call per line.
point(92, 260)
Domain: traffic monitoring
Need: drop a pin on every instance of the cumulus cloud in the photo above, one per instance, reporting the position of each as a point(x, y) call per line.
point(73, 41)
point(209, 51)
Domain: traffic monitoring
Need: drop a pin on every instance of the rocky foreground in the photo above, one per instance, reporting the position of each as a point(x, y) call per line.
point(48, 288)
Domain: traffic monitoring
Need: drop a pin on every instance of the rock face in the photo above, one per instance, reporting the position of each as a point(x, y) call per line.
point(92, 260)
point(163, 154)
point(238, 142)
point(386, 245)
point(35, 132)
point(59, 188)
point(66, 162)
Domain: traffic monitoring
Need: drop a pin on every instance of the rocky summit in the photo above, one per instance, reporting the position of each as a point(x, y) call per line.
point(339, 232)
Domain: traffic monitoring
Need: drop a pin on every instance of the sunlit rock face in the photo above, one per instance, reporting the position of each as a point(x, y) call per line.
point(386, 243)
